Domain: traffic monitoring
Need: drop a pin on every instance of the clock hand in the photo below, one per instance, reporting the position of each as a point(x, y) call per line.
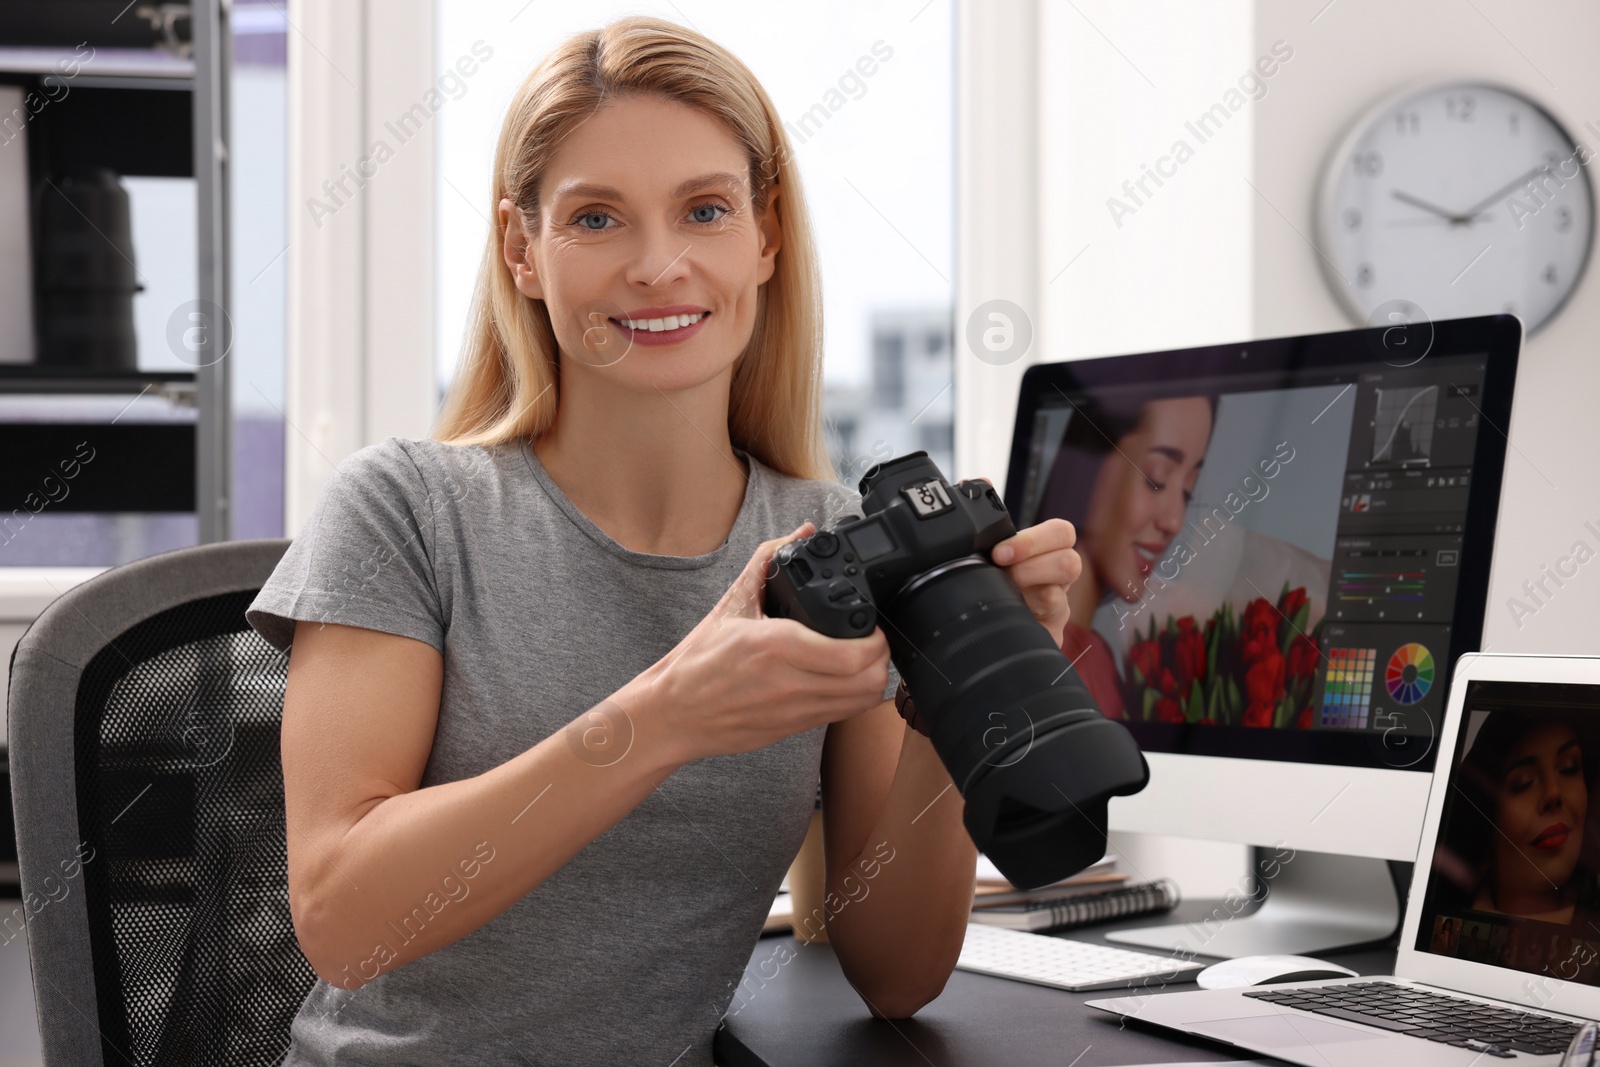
point(1409, 199)
point(1498, 193)
point(1421, 220)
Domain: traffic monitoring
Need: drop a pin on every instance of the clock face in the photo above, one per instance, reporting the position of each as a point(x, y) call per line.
point(1455, 200)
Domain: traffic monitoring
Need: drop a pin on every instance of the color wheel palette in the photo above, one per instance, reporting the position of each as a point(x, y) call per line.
point(1409, 674)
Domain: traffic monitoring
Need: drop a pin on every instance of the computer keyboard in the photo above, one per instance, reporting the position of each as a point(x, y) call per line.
point(1055, 961)
point(1499, 1032)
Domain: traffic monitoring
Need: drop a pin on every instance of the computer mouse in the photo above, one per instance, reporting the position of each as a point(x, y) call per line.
point(1268, 970)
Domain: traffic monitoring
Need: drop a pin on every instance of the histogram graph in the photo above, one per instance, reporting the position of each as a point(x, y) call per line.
point(1402, 426)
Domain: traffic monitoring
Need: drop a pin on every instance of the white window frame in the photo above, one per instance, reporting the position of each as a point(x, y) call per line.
point(997, 162)
point(360, 363)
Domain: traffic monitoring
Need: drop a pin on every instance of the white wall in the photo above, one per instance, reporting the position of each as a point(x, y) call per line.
point(1115, 84)
point(1355, 53)
point(1118, 83)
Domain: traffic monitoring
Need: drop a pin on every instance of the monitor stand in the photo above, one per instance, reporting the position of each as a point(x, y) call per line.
point(1316, 903)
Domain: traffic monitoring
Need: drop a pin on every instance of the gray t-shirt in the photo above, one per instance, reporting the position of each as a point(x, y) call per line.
point(631, 952)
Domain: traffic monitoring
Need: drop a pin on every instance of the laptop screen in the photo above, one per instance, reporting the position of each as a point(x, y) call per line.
point(1515, 879)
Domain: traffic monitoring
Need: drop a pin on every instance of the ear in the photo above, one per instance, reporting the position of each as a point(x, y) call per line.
point(515, 251)
point(771, 237)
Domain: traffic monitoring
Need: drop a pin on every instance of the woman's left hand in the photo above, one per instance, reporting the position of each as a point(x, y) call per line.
point(1043, 563)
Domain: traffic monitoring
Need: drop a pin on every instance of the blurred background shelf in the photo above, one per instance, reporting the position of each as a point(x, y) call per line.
point(32, 378)
point(124, 107)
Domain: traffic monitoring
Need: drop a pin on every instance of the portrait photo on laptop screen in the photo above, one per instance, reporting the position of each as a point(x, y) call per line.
point(1515, 879)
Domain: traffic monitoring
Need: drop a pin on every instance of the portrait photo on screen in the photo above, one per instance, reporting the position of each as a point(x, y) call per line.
point(1515, 878)
point(1206, 528)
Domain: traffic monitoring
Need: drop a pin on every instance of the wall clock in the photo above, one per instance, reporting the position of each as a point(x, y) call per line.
point(1462, 198)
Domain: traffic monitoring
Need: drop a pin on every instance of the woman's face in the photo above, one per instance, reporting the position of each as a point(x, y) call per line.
point(1142, 492)
point(645, 214)
point(1542, 801)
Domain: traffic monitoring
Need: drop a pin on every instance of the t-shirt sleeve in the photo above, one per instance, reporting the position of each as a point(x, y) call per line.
point(840, 503)
point(894, 682)
point(365, 557)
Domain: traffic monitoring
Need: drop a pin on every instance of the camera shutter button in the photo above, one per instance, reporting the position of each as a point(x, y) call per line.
point(824, 545)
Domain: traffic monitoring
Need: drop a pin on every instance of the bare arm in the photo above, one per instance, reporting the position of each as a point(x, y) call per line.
point(900, 864)
point(901, 920)
point(382, 872)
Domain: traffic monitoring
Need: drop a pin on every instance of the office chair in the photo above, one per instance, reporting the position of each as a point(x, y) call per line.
point(144, 717)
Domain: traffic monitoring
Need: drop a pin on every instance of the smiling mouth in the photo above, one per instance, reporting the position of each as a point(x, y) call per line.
point(1147, 557)
point(1553, 837)
point(665, 324)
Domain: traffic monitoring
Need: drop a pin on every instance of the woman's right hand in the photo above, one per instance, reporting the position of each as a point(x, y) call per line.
point(741, 680)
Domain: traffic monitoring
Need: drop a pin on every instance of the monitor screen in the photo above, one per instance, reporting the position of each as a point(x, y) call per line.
point(1285, 543)
point(1515, 879)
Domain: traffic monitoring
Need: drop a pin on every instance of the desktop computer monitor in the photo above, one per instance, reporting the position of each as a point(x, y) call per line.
point(1286, 546)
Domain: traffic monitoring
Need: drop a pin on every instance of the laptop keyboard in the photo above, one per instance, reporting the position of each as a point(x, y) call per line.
point(1500, 1032)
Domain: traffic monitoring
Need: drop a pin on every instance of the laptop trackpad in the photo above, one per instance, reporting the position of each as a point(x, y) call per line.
point(1279, 1031)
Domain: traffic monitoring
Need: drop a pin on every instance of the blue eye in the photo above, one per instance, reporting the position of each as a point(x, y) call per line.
point(707, 214)
point(695, 212)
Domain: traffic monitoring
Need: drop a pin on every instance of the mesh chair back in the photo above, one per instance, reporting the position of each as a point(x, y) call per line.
point(144, 719)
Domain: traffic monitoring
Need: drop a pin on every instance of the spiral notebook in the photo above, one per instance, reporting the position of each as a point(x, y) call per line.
point(1083, 909)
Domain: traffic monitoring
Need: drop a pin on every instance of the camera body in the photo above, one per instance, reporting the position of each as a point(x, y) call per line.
point(1014, 725)
point(833, 580)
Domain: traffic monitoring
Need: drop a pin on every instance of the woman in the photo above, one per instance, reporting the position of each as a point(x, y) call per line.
point(1446, 931)
point(1521, 824)
point(1124, 477)
point(545, 760)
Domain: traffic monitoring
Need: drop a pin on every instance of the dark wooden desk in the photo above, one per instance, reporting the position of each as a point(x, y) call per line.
point(802, 1013)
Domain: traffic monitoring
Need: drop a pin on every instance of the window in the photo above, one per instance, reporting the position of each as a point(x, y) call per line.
point(258, 284)
point(936, 438)
point(888, 369)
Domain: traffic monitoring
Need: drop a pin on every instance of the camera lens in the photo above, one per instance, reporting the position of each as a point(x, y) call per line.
point(1022, 739)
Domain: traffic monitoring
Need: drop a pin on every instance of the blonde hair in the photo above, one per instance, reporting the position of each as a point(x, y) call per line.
point(507, 384)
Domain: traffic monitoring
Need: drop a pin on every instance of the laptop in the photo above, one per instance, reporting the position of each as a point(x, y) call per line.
point(1500, 946)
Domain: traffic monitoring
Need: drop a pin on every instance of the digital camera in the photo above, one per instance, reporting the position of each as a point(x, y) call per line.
point(1033, 757)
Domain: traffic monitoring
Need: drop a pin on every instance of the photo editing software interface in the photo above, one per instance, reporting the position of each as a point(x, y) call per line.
point(1276, 551)
point(1515, 877)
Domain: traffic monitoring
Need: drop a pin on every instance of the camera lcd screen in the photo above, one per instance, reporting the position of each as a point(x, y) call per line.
point(870, 541)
